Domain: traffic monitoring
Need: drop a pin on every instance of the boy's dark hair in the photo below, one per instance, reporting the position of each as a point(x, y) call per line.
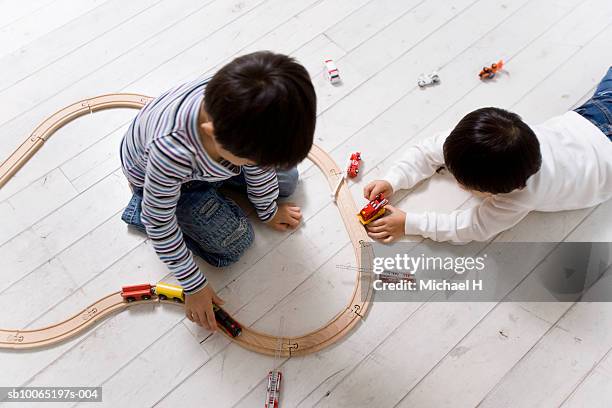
point(493, 151)
point(263, 107)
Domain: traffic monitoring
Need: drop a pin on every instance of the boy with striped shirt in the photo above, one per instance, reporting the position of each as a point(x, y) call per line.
point(247, 126)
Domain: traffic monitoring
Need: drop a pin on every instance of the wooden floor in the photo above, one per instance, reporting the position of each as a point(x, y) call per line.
point(63, 245)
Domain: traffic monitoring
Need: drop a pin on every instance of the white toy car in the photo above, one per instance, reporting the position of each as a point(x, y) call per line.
point(331, 71)
point(428, 79)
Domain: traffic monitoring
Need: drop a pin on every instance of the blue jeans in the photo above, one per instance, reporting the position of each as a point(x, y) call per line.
point(214, 227)
point(598, 109)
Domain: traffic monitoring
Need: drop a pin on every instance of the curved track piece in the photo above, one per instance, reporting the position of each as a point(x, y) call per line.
point(251, 339)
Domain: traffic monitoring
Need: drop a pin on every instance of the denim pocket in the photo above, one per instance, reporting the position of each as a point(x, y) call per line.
point(209, 208)
point(216, 226)
point(237, 234)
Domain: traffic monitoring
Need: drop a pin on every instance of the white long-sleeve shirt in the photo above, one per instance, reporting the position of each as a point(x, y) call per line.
point(576, 173)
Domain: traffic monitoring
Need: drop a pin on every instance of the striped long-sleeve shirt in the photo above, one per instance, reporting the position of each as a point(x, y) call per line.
point(160, 151)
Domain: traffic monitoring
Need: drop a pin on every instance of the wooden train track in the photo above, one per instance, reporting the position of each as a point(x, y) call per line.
point(251, 339)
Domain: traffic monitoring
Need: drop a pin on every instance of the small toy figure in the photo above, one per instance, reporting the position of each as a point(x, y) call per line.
point(353, 167)
point(136, 292)
point(331, 71)
point(489, 72)
point(428, 79)
point(373, 210)
point(274, 382)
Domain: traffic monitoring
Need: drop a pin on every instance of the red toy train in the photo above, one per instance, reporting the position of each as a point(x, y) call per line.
point(137, 292)
point(353, 166)
point(165, 291)
point(373, 210)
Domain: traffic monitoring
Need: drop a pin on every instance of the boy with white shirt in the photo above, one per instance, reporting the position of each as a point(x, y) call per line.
point(564, 163)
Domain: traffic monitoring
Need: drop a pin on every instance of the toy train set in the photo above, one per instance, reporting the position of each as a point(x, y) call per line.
point(166, 291)
point(329, 333)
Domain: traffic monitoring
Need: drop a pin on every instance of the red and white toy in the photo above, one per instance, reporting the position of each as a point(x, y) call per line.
point(353, 166)
point(274, 382)
point(373, 210)
point(331, 71)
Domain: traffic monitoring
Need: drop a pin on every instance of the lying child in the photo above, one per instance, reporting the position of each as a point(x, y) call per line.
point(562, 164)
point(253, 117)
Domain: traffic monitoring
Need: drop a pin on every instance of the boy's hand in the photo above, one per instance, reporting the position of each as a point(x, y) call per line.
point(377, 186)
point(287, 217)
point(199, 307)
point(388, 228)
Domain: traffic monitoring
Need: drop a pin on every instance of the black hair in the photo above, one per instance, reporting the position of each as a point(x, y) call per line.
point(493, 151)
point(263, 107)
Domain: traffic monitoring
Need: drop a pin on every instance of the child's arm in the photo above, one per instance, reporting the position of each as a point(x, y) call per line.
point(167, 167)
point(419, 162)
point(262, 190)
point(479, 223)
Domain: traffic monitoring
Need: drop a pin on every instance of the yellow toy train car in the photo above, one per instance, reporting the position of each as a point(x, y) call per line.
point(166, 291)
point(171, 292)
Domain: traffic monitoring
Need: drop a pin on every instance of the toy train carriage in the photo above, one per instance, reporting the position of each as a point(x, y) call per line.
point(226, 322)
point(170, 292)
point(274, 383)
point(173, 292)
point(353, 167)
point(373, 210)
point(137, 292)
point(166, 291)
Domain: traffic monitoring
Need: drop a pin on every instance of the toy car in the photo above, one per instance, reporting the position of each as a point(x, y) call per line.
point(331, 71)
point(373, 210)
point(274, 382)
point(136, 292)
point(395, 276)
point(489, 72)
point(167, 291)
point(428, 79)
point(226, 322)
point(353, 167)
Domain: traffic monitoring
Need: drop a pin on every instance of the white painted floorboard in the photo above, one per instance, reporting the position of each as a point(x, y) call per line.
point(63, 245)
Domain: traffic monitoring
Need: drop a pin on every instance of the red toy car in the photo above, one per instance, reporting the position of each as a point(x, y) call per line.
point(489, 72)
point(353, 167)
point(373, 210)
point(136, 292)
